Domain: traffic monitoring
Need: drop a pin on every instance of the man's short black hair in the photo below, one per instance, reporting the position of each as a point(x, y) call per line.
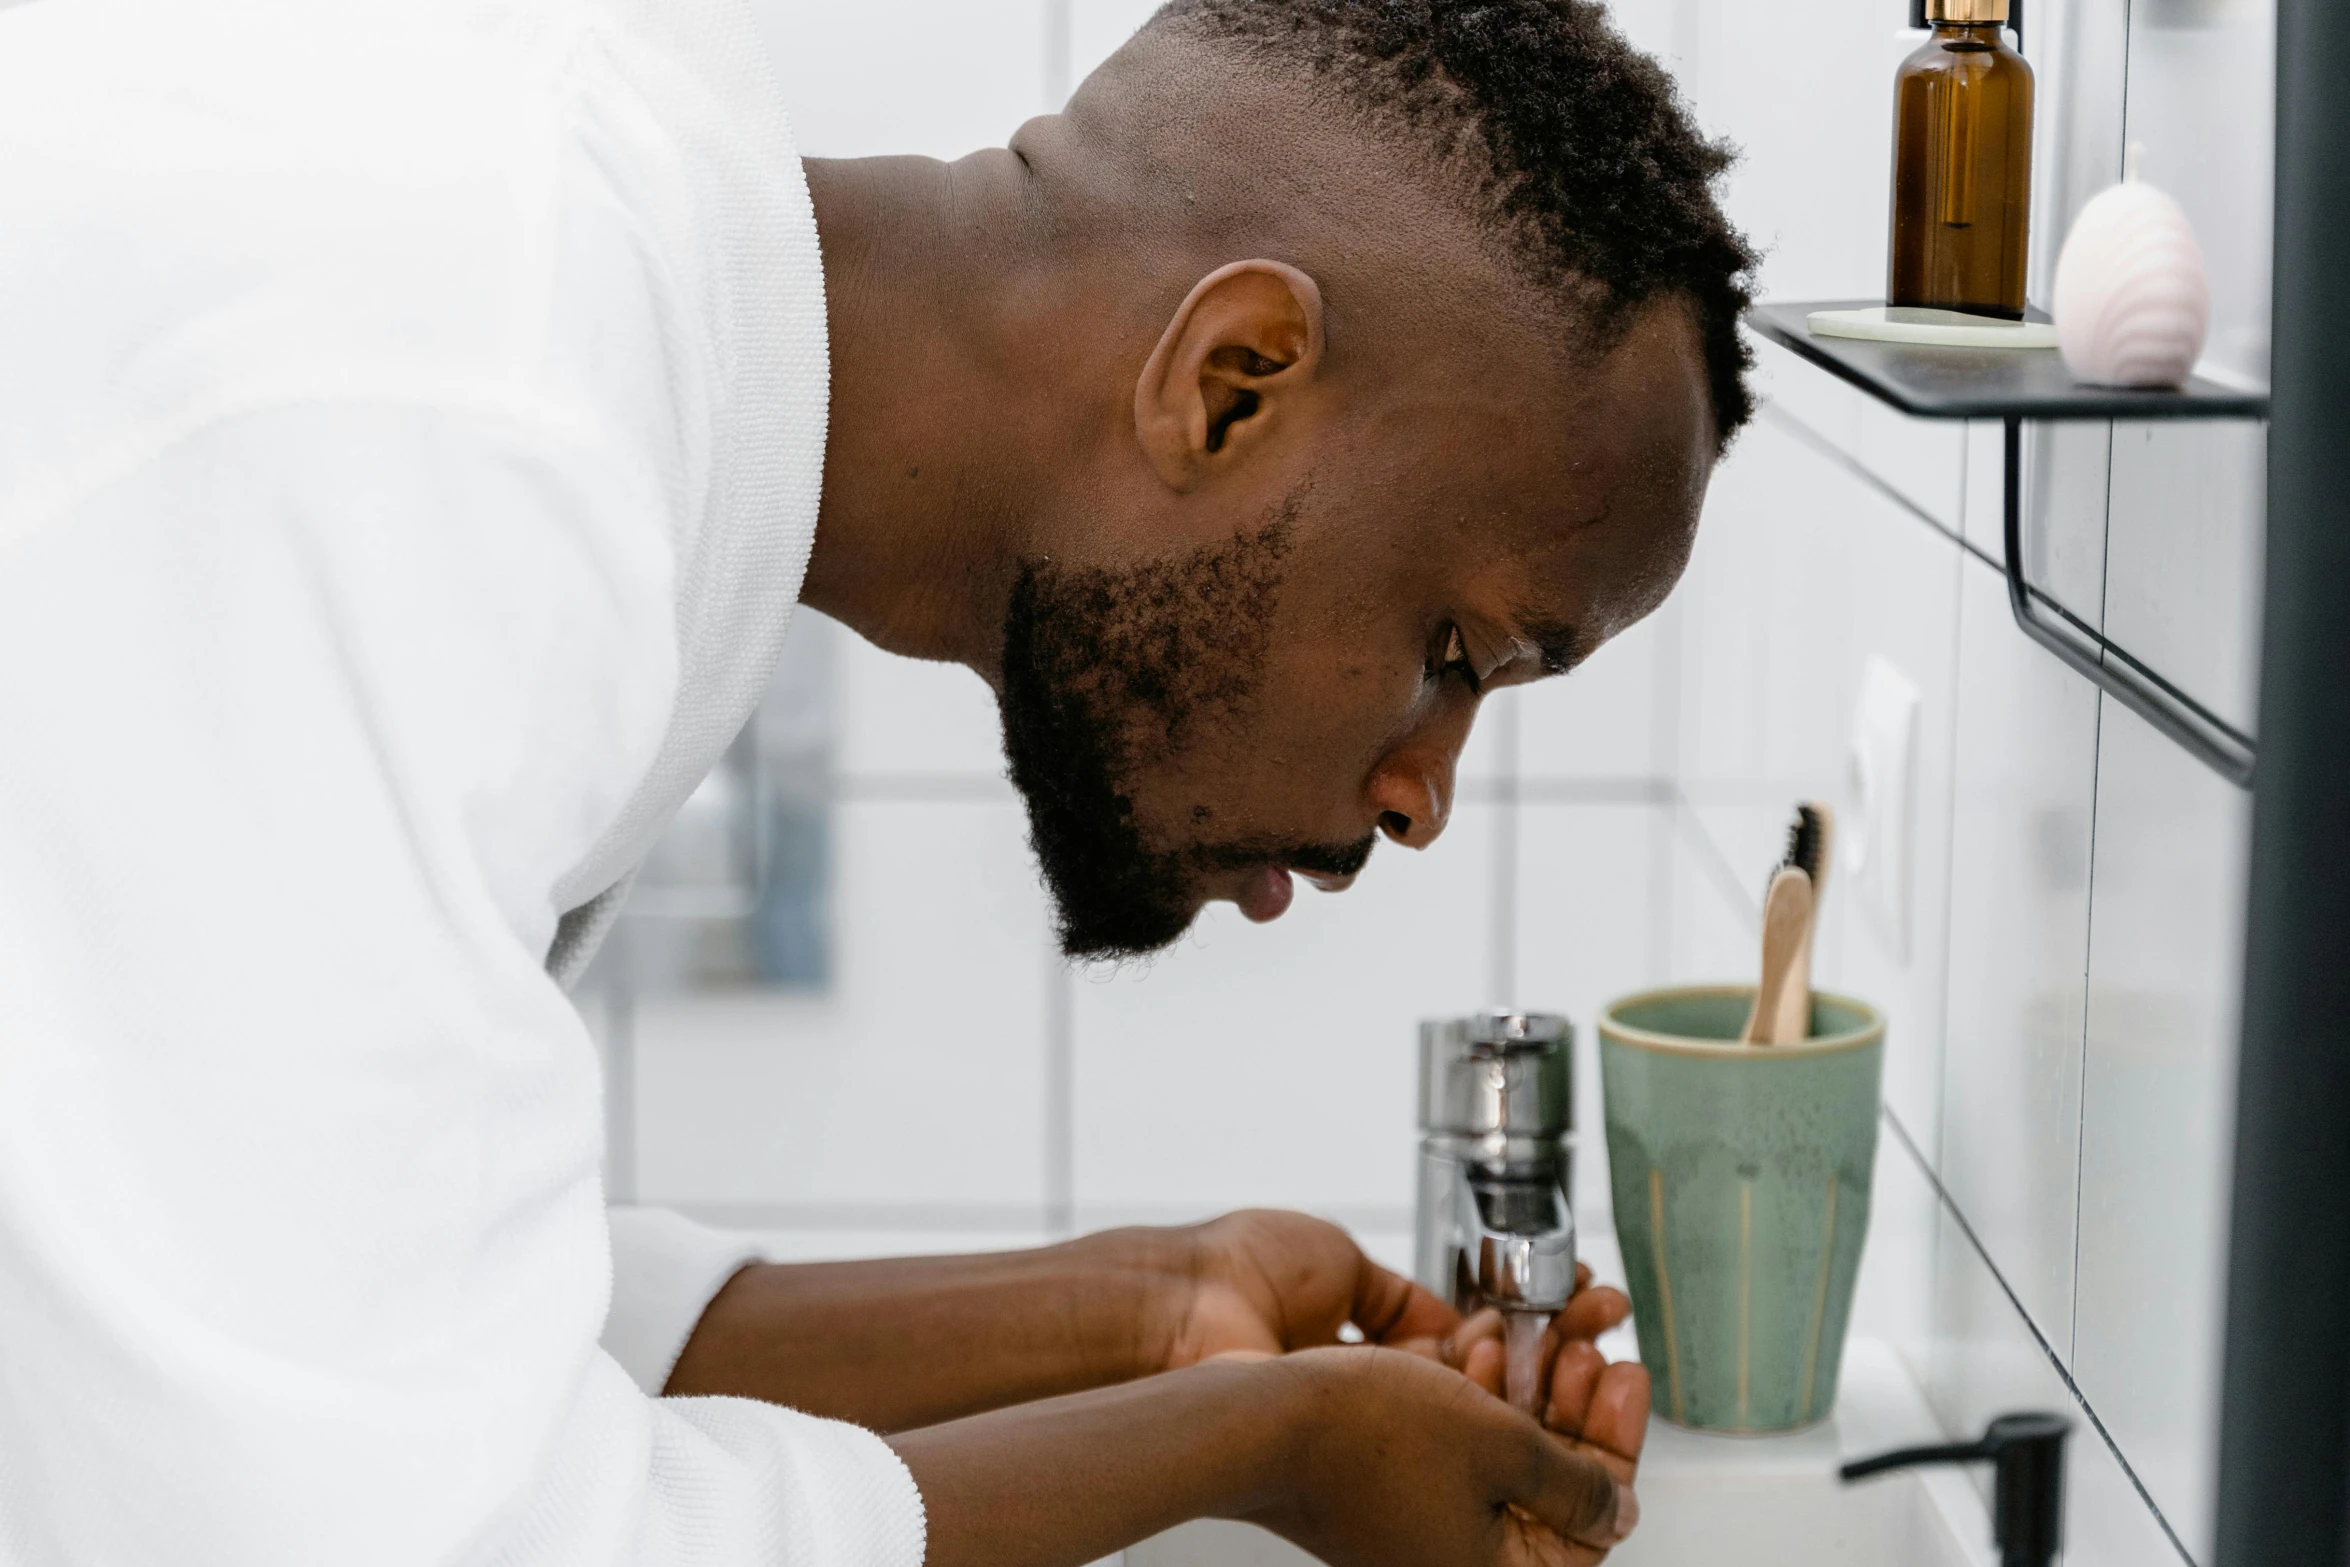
point(1581, 156)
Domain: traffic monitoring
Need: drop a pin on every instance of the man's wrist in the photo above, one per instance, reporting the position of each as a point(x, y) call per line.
point(1153, 1275)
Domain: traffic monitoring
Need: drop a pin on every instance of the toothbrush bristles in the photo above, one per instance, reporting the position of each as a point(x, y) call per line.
point(1803, 842)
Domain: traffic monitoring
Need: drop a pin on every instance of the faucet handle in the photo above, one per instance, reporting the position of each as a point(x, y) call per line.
point(2028, 1496)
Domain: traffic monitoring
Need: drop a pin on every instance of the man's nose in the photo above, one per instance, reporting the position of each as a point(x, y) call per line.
point(1411, 790)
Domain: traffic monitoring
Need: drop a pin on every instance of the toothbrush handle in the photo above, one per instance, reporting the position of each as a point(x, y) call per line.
point(1791, 1021)
point(1786, 932)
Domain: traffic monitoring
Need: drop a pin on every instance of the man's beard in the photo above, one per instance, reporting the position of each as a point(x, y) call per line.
point(1109, 672)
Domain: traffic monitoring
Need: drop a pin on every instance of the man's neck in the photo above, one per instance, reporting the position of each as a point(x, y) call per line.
point(923, 521)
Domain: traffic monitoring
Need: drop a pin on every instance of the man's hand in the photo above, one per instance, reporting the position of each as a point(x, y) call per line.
point(1270, 1282)
point(1402, 1461)
point(1003, 1328)
point(1601, 1411)
point(1266, 1283)
point(1359, 1454)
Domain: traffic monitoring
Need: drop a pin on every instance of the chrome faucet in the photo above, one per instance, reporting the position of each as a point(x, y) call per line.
point(1496, 1223)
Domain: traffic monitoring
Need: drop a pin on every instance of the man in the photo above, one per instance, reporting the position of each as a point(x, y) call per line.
point(417, 423)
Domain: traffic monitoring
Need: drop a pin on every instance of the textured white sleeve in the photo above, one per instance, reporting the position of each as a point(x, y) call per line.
point(303, 1252)
point(666, 1269)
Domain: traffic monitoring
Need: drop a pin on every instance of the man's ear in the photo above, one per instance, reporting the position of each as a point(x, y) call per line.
point(1228, 369)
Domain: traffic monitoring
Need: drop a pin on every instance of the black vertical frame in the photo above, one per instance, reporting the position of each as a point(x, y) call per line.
point(2285, 1426)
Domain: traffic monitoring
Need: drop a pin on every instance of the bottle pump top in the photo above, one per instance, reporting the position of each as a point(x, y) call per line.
point(1925, 13)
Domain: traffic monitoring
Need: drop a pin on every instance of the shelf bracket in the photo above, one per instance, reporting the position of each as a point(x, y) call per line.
point(2212, 740)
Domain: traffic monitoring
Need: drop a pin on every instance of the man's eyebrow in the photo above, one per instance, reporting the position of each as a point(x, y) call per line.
point(1554, 641)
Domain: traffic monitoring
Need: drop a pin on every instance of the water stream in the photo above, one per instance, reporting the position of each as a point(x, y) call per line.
point(1522, 1338)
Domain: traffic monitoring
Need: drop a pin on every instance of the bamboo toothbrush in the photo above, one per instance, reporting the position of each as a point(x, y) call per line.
point(1810, 840)
point(1786, 925)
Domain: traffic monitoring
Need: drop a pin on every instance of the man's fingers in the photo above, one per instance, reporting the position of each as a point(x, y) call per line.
point(1578, 1499)
point(1617, 1418)
point(1483, 1326)
point(1391, 1309)
point(1531, 1544)
point(1574, 1377)
point(1424, 1348)
point(1486, 1364)
point(1591, 1312)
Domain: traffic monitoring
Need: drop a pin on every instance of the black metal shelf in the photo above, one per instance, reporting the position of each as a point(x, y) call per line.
point(2013, 385)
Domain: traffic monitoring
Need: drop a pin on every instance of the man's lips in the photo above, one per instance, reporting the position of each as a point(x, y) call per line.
point(1268, 890)
point(1265, 894)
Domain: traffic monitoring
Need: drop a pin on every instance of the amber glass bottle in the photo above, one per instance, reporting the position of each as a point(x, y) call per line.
point(1962, 166)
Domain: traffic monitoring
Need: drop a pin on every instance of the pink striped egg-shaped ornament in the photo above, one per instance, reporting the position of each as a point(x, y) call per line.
point(2132, 306)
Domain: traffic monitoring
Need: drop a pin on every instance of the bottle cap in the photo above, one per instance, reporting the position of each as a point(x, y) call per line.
point(1966, 10)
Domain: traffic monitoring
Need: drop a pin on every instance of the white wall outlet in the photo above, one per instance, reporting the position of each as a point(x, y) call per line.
point(1877, 852)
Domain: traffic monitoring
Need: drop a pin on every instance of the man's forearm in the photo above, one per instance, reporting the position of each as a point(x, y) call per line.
point(1073, 1479)
point(915, 1341)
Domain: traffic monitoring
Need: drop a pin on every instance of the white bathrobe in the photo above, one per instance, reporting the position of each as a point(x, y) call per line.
point(411, 425)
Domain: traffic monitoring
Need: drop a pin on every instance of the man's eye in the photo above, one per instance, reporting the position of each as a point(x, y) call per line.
point(1456, 658)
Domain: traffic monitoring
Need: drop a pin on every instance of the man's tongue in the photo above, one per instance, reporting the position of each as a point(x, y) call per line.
point(1266, 894)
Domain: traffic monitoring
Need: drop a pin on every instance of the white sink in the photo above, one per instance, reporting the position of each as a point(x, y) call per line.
point(1755, 1501)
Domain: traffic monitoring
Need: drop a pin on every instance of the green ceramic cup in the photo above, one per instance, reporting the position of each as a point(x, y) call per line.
point(1741, 1179)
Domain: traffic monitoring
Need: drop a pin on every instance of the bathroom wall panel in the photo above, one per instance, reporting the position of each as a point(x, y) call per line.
point(2065, 489)
point(1713, 919)
point(1904, 598)
point(2079, 52)
point(1098, 27)
point(2023, 815)
point(2196, 67)
point(2157, 1111)
point(1810, 107)
point(1921, 460)
point(930, 1045)
point(1924, 461)
point(1757, 729)
point(936, 77)
point(1984, 1362)
point(1825, 406)
point(1985, 474)
point(1894, 1297)
point(1662, 29)
point(906, 719)
point(1601, 720)
point(1274, 1064)
point(1587, 934)
point(1770, 682)
point(2183, 560)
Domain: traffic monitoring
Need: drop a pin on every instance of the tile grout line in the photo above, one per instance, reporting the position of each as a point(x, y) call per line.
point(992, 788)
point(1058, 54)
point(1802, 431)
point(1664, 760)
point(1060, 1096)
point(1950, 835)
point(2089, 918)
point(1502, 980)
point(987, 1217)
point(1725, 875)
point(2064, 1374)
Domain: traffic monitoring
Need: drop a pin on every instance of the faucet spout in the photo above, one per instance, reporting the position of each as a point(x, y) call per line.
point(1518, 1240)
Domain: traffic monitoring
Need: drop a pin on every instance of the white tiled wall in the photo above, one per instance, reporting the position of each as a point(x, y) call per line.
point(2025, 805)
point(1274, 1064)
point(2157, 1100)
point(2088, 932)
point(2048, 1229)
